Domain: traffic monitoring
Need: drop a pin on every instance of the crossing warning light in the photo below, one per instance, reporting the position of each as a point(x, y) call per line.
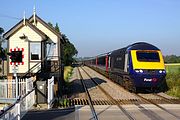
point(16, 56)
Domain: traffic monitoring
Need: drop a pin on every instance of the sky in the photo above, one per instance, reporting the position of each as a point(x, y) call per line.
point(100, 26)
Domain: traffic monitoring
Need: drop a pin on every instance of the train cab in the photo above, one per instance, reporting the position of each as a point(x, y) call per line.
point(147, 67)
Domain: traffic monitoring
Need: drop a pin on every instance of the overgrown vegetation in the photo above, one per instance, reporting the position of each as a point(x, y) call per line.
point(64, 103)
point(67, 73)
point(173, 80)
point(173, 75)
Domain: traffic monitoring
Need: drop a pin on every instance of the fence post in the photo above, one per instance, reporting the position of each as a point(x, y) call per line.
point(18, 111)
point(6, 90)
point(19, 86)
point(50, 91)
point(48, 100)
point(26, 85)
point(52, 88)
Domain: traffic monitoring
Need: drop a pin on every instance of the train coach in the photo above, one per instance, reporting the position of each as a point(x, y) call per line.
point(139, 66)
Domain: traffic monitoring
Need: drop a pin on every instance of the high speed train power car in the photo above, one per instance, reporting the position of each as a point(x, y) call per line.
point(137, 66)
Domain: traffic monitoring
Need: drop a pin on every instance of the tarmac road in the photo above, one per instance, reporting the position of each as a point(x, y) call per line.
point(54, 114)
point(108, 112)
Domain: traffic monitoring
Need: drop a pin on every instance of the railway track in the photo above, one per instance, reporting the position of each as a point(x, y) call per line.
point(170, 100)
point(151, 101)
point(114, 101)
point(89, 101)
point(156, 99)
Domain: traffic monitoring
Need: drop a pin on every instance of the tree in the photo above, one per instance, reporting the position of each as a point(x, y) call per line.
point(1, 30)
point(172, 59)
point(57, 28)
point(1, 39)
point(50, 24)
point(69, 51)
point(2, 51)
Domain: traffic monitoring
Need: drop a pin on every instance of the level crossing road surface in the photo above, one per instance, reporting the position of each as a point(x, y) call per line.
point(108, 112)
point(54, 114)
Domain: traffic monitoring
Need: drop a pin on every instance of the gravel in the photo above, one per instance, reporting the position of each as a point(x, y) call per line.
point(113, 89)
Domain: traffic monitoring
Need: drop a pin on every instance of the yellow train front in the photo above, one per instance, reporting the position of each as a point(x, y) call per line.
point(145, 66)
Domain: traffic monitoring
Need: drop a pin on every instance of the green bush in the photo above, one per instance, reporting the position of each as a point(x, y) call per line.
point(67, 72)
point(173, 82)
point(64, 103)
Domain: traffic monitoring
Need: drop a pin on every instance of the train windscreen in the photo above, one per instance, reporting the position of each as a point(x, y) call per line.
point(145, 56)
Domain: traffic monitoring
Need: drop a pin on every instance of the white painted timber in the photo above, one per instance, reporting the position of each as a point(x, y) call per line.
point(15, 41)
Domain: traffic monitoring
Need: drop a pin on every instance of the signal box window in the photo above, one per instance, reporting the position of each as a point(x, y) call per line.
point(35, 51)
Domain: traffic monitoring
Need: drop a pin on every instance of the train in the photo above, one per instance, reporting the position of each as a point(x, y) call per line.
point(137, 67)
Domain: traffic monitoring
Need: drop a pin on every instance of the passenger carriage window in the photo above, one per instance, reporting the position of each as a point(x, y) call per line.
point(147, 56)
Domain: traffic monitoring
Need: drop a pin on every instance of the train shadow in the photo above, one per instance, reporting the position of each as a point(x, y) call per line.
point(150, 90)
point(91, 84)
point(76, 86)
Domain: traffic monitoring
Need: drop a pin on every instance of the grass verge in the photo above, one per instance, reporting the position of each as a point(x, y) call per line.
point(173, 68)
point(173, 82)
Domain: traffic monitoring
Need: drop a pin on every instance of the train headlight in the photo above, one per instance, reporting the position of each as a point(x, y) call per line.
point(141, 71)
point(162, 71)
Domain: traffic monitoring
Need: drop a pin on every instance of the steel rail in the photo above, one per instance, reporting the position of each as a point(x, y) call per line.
point(110, 97)
point(149, 101)
point(165, 99)
point(88, 96)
